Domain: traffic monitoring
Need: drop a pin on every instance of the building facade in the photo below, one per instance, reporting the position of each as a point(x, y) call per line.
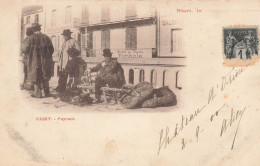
point(60, 16)
point(146, 42)
point(31, 14)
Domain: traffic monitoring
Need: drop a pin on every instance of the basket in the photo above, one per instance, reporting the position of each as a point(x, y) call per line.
point(137, 95)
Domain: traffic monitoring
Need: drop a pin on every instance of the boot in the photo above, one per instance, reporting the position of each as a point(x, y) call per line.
point(46, 88)
point(37, 91)
point(62, 82)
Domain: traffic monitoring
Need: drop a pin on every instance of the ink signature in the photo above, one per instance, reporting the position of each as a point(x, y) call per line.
point(166, 137)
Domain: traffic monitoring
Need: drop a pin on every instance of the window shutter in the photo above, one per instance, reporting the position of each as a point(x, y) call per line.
point(105, 39)
point(131, 38)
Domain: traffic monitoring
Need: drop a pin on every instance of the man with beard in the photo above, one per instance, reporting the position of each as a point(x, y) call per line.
point(110, 73)
point(40, 50)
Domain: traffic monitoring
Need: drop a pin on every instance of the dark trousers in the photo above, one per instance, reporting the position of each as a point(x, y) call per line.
point(63, 77)
point(102, 81)
point(40, 84)
point(25, 70)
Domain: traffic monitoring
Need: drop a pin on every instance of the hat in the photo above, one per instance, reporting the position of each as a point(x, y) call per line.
point(66, 32)
point(29, 31)
point(107, 52)
point(36, 24)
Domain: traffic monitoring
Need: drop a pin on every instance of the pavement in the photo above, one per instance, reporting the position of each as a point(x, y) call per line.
point(55, 102)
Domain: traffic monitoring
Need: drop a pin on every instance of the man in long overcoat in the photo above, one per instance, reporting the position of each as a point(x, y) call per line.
point(110, 73)
point(40, 50)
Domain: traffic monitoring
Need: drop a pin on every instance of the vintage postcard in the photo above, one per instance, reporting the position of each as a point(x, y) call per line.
point(125, 83)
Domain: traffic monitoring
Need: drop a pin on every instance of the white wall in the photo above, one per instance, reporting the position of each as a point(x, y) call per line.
point(146, 37)
point(61, 12)
point(94, 14)
point(97, 41)
point(144, 9)
point(117, 38)
point(117, 11)
point(167, 23)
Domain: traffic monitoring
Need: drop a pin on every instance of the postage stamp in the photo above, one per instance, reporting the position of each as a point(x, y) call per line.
point(240, 43)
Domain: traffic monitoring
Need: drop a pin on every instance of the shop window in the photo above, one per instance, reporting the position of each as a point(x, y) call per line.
point(165, 78)
point(105, 39)
point(36, 18)
point(131, 76)
point(105, 13)
point(53, 18)
point(141, 75)
point(130, 11)
point(177, 81)
point(154, 78)
point(89, 40)
point(28, 20)
point(176, 40)
point(131, 38)
point(68, 15)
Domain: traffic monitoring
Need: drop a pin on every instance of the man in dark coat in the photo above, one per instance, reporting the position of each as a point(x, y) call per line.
point(40, 50)
point(25, 43)
point(110, 73)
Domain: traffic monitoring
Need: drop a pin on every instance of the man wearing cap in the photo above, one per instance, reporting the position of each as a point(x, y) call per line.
point(25, 44)
point(40, 50)
point(110, 73)
point(65, 58)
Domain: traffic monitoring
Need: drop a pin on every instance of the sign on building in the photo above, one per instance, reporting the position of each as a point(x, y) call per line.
point(133, 54)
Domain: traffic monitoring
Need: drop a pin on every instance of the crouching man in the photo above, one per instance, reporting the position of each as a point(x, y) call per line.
point(110, 73)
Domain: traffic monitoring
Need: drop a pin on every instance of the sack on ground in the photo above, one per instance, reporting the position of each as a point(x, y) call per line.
point(162, 97)
point(137, 95)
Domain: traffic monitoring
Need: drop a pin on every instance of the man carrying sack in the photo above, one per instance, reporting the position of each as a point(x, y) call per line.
point(69, 46)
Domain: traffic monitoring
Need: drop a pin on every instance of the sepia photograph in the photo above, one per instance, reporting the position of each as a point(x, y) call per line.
point(129, 83)
point(93, 53)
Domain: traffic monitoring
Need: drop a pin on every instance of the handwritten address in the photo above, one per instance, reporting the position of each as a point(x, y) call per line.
point(167, 135)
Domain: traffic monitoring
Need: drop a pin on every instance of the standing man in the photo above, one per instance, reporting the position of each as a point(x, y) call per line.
point(110, 73)
point(40, 50)
point(25, 44)
point(230, 42)
point(65, 58)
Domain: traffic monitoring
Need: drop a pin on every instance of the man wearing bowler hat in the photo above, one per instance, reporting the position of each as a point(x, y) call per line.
point(40, 50)
point(65, 58)
point(110, 73)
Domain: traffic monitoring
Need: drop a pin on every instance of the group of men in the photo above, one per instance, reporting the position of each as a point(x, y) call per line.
point(37, 50)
